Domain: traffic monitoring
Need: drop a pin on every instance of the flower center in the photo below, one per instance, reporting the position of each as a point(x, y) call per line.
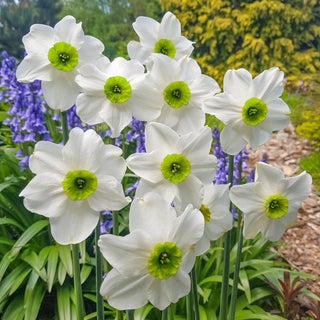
point(79, 184)
point(175, 167)
point(166, 47)
point(254, 111)
point(164, 261)
point(63, 56)
point(117, 89)
point(176, 94)
point(276, 206)
point(206, 213)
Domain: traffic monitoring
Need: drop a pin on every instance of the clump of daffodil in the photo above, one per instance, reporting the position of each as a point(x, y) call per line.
point(251, 109)
point(152, 262)
point(271, 202)
point(53, 56)
point(73, 183)
point(175, 166)
point(161, 38)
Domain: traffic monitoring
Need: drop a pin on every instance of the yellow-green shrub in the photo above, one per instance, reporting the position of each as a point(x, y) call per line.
point(310, 128)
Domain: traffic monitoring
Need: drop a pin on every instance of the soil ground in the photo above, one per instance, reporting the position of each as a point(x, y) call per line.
point(301, 247)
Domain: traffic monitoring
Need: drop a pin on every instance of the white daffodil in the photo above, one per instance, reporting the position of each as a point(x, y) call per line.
point(73, 183)
point(271, 202)
point(177, 167)
point(162, 38)
point(152, 262)
point(184, 91)
point(218, 219)
point(114, 92)
point(250, 108)
point(54, 56)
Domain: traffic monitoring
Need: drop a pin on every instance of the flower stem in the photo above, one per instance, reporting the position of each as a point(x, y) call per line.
point(189, 306)
point(236, 272)
point(99, 298)
point(226, 257)
point(77, 282)
point(119, 315)
point(130, 314)
point(115, 222)
point(64, 124)
point(195, 293)
point(164, 315)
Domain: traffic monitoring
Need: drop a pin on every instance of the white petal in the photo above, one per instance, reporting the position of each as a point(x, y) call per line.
point(169, 27)
point(91, 80)
point(275, 230)
point(34, 67)
point(188, 231)
point(146, 166)
point(239, 84)
point(62, 91)
point(137, 51)
point(201, 88)
point(268, 85)
point(154, 215)
point(134, 248)
point(47, 157)
point(117, 116)
point(254, 223)
point(189, 119)
point(91, 49)
point(231, 142)
point(161, 138)
point(166, 189)
point(164, 70)
point(39, 40)
point(202, 246)
point(183, 46)
point(169, 116)
point(75, 224)
point(67, 30)
point(268, 174)
point(44, 195)
point(109, 195)
point(247, 197)
point(162, 293)
point(89, 108)
point(125, 292)
point(278, 114)
point(191, 191)
point(225, 107)
point(147, 30)
point(298, 188)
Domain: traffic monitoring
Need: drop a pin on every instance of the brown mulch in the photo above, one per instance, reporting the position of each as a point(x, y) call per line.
point(302, 240)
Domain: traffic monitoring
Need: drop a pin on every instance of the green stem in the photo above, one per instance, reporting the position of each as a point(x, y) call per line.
point(164, 315)
point(236, 272)
point(115, 222)
point(226, 257)
point(77, 282)
point(130, 314)
point(119, 315)
point(195, 293)
point(189, 306)
point(99, 298)
point(64, 124)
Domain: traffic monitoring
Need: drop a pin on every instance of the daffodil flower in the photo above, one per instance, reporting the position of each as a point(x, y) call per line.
point(251, 109)
point(115, 91)
point(183, 90)
point(175, 166)
point(271, 202)
point(54, 55)
point(215, 208)
point(152, 262)
point(161, 38)
point(73, 183)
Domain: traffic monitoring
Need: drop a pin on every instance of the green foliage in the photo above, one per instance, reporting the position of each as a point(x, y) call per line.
point(255, 35)
point(111, 21)
point(311, 164)
point(310, 127)
point(17, 17)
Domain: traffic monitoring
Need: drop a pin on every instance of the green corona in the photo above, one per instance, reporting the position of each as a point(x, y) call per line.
point(276, 206)
point(254, 111)
point(63, 56)
point(175, 167)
